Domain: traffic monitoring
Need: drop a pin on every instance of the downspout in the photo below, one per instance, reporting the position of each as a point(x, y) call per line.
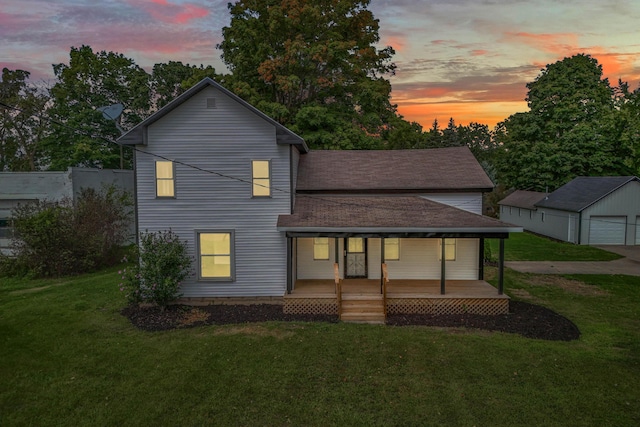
point(579, 227)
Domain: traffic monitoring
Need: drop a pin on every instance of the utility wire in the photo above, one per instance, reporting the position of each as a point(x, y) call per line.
point(246, 181)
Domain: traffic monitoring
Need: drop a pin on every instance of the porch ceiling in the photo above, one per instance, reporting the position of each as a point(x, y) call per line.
point(400, 216)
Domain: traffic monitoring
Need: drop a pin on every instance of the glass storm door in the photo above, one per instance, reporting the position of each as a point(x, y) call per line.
point(356, 254)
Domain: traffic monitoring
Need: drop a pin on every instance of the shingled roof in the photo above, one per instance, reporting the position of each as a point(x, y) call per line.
point(368, 171)
point(385, 214)
point(583, 191)
point(523, 199)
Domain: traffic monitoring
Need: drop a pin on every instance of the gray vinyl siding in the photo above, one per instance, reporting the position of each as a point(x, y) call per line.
point(222, 141)
point(624, 202)
point(471, 202)
point(418, 260)
point(555, 223)
point(295, 161)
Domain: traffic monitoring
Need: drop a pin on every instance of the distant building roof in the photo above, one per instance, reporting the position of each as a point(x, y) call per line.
point(385, 214)
point(583, 191)
point(523, 199)
point(361, 171)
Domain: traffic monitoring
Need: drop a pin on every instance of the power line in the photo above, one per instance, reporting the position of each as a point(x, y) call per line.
point(246, 181)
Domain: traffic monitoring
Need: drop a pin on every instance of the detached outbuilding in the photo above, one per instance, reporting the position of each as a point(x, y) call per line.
point(587, 211)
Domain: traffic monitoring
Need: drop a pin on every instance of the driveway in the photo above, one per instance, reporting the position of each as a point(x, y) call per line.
point(630, 265)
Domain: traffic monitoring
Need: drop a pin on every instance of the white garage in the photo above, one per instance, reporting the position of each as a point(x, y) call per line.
point(607, 230)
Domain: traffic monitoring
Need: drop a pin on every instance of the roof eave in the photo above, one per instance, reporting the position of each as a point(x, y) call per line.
point(470, 230)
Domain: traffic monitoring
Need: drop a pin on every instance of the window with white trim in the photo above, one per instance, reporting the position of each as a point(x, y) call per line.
point(320, 248)
point(216, 255)
point(391, 249)
point(449, 249)
point(165, 179)
point(261, 178)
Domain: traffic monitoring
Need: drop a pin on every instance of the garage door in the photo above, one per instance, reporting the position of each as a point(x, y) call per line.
point(607, 230)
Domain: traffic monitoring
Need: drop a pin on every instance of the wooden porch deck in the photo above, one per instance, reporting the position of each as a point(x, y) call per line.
point(398, 288)
point(402, 297)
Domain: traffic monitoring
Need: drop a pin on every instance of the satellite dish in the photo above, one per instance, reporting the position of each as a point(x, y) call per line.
point(111, 112)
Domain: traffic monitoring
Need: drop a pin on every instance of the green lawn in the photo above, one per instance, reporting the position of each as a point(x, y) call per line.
point(529, 247)
point(68, 358)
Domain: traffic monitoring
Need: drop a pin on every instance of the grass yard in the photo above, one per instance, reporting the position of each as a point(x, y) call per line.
point(69, 358)
point(530, 247)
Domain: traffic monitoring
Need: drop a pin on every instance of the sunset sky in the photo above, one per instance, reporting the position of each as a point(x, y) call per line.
point(466, 59)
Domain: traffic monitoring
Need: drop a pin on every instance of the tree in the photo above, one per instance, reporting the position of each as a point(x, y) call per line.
point(289, 56)
point(627, 125)
point(92, 80)
point(568, 132)
point(170, 80)
point(23, 121)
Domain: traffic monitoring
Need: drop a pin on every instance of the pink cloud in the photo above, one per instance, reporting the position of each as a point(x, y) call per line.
point(479, 52)
point(170, 13)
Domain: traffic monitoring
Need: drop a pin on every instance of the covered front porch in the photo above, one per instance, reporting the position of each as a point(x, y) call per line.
point(402, 296)
point(394, 255)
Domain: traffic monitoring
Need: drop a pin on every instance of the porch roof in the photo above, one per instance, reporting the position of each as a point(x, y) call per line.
point(386, 216)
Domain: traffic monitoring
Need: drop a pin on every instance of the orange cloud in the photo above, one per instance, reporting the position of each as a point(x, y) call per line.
point(479, 52)
point(489, 113)
point(397, 42)
point(558, 43)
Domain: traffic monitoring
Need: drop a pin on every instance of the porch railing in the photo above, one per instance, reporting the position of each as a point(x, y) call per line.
point(336, 278)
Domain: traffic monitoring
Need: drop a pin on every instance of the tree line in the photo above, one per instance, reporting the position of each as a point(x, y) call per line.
point(315, 67)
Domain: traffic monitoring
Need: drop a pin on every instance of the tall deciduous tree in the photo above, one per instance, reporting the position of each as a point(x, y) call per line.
point(23, 123)
point(297, 58)
point(169, 80)
point(92, 80)
point(568, 132)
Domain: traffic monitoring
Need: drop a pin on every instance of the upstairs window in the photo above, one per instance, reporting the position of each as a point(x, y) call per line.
point(320, 248)
point(449, 249)
point(165, 181)
point(261, 181)
point(391, 249)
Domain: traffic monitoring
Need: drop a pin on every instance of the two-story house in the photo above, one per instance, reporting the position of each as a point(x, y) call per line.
point(265, 217)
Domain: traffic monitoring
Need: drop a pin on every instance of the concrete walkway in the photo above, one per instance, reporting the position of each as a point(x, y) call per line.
point(630, 265)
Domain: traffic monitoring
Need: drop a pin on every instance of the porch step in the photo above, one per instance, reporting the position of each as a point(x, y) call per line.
point(362, 309)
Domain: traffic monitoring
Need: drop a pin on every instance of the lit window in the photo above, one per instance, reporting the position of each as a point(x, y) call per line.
point(320, 248)
point(392, 249)
point(449, 249)
point(261, 182)
point(165, 185)
point(215, 253)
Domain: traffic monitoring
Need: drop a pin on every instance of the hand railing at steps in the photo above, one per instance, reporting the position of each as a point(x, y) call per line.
point(338, 288)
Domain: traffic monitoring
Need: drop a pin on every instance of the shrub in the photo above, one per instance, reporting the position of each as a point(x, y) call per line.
point(57, 238)
point(163, 263)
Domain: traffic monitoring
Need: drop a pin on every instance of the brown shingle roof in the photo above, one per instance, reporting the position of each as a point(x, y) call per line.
point(523, 199)
point(384, 213)
point(437, 169)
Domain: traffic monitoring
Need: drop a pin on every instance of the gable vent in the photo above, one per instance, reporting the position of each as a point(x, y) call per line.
point(211, 103)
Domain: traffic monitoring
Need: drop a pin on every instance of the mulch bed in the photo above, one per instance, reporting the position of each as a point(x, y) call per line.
point(528, 320)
